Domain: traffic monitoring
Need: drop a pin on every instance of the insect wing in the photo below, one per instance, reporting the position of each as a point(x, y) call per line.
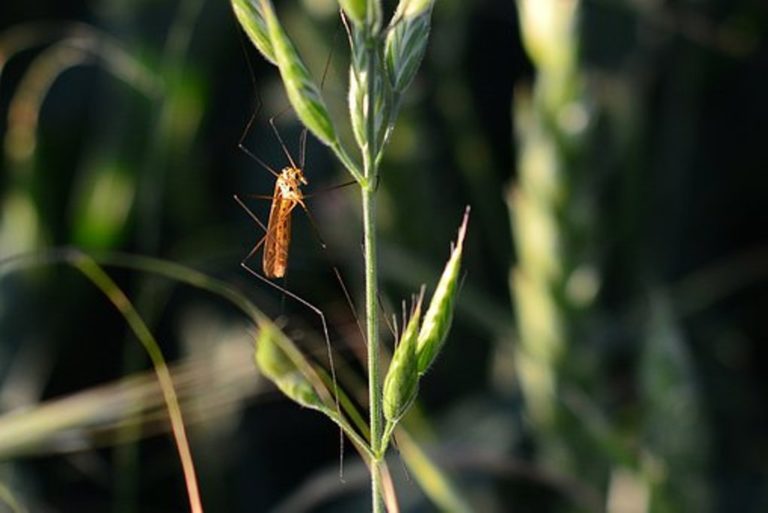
point(278, 236)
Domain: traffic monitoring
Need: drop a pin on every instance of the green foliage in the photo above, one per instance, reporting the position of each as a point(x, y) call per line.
point(674, 431)
point(361, 82)
point(627, 170)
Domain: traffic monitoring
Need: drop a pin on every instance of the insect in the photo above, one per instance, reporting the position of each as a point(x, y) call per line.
point(286, 196)
point(278, 237)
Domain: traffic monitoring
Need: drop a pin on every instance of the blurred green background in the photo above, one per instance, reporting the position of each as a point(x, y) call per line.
point(608, 348)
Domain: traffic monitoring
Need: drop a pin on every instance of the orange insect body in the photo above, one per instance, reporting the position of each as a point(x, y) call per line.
point(278, 238)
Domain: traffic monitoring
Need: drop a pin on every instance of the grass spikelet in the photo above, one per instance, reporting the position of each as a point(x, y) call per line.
point(357, 10)
point(302, 91)
point(407, 41)
point(437, 320)
point(276, 365)
point(402, 381)
point(249, 14)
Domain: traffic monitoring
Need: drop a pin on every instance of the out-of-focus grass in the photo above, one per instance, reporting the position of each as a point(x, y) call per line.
point(672, 174)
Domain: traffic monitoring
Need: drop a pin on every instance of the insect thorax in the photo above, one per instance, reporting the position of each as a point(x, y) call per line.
point(289, 183)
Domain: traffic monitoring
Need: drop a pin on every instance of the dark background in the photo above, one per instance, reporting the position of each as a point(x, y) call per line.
point(671, 174)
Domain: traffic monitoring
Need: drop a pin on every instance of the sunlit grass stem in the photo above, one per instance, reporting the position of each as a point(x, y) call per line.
point(375, 393)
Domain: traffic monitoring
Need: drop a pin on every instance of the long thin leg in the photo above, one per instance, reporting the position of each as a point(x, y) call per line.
point(286, 292)
point(241, 142)
point(318, 311)
point(259, 196)
point(321, 315)
point(250, 212)
point(241, 146)
point(336, 271)
point(328, 189)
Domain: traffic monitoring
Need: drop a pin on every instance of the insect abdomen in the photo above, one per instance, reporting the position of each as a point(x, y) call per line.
point(278, 237)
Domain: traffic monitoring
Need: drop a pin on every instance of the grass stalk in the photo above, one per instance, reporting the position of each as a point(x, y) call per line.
point(371, 285)
point(374, 354)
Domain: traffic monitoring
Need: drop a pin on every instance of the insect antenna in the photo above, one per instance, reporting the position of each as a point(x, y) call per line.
point(326, 67)
point(241, 141)
point(279, 137)
point(303, 147)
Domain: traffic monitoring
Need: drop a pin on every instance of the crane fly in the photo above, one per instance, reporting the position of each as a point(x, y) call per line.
point(287, 195)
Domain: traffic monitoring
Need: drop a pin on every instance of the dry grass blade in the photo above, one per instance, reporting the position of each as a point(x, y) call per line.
point(209, 388)
point(102, 280)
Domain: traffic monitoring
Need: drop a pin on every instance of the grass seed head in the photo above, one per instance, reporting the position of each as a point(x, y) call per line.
point(407, 41)
point(277, 366)
point(437, 320)
point(250, 17)
point(303, 93)
point(357, 10)
point(402, 381)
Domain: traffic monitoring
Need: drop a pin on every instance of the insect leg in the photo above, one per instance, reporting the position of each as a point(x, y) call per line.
point(336, 271)
point(331, 188)
point(321, 315)
point(250, 212)
point(295, 297)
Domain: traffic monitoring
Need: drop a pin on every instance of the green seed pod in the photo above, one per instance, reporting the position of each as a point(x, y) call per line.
point(407, 41)
point(437, 320)
point(302, 91)
point(248, 13)
point(355, 9)
point(276, 365)
point(402, 381)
